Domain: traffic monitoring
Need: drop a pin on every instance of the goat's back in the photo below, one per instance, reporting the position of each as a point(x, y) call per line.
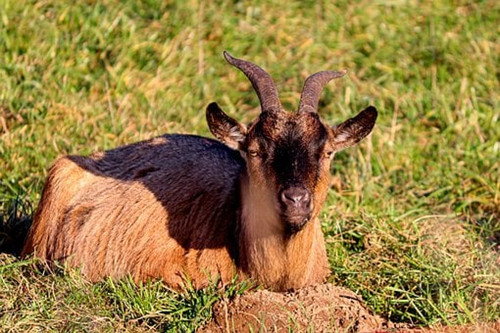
point(158, 208)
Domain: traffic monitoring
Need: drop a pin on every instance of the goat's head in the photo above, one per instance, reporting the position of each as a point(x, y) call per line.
point(289, 154)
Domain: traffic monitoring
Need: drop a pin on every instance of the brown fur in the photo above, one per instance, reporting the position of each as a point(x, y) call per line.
point(114, 226)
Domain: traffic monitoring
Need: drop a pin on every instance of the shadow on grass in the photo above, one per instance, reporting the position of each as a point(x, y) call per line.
point(15, 220)
point(488, 227)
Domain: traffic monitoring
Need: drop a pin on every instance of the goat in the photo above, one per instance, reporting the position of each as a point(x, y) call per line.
point(184, 205)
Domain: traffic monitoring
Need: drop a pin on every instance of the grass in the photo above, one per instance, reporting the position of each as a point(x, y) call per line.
point(412, 219)
point(59, 299)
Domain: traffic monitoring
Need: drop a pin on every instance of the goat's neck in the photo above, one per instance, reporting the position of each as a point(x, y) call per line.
point(278, 260)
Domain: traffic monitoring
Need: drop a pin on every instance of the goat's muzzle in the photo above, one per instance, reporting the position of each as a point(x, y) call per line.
point(296, 207)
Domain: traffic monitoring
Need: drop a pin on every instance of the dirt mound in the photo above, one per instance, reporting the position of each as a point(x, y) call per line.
point(320, 308)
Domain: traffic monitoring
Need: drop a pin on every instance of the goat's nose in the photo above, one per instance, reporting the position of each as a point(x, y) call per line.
point(298, 197)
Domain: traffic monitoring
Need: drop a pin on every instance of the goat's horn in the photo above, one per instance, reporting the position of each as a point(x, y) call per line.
point(314, 86)
point(261, 81)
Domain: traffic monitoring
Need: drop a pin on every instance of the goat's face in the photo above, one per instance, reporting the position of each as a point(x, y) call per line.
point(288, 154)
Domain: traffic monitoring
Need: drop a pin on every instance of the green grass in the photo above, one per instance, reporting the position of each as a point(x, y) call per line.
point(412, 219)
point(35, 296)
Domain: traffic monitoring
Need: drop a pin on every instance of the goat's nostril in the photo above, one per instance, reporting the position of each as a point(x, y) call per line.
point(295, 196)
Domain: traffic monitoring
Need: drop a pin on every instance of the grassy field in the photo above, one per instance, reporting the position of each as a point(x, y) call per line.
point(412, 218)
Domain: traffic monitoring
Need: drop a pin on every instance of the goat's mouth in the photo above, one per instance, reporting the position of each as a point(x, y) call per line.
point(295, 222)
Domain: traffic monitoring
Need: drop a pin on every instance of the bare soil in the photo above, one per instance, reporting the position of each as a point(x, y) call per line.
point(320, 308)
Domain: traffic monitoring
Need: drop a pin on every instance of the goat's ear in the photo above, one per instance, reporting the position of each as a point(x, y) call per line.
point(353, 130)
point(225, 128)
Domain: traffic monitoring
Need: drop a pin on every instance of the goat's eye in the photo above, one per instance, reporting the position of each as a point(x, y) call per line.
point(253, 153)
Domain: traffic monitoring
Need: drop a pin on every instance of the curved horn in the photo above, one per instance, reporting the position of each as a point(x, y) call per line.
point(261, 81)
point(314, 86)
